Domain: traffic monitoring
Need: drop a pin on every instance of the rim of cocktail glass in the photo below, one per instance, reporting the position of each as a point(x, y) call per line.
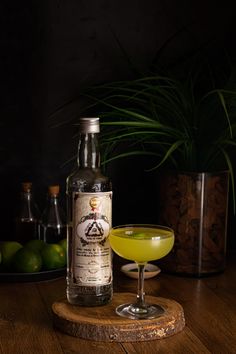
point(150, 226)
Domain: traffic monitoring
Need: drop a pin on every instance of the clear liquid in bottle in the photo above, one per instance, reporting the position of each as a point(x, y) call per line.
point(89, 195)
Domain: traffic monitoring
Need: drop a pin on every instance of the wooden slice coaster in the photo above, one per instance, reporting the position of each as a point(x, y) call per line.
point(103, 324)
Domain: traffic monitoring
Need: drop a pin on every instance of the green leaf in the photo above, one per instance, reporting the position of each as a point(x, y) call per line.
point(128, 154)
point(170, 151)
point(222, 100)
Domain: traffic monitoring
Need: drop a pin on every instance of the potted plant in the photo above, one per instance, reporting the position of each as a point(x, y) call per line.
point(188, 127)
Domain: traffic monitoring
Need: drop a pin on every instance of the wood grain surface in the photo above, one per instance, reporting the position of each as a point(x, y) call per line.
point(26, 318)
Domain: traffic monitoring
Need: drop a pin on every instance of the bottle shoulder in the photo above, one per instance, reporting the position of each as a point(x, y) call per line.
point(89, 180)
point(53, 213)
point(28, 209)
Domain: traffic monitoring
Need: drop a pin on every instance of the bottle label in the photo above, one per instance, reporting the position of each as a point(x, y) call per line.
point(91, 258)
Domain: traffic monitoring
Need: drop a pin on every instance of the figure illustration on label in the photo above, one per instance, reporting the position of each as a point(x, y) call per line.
point(92, 245)
point(93, 227)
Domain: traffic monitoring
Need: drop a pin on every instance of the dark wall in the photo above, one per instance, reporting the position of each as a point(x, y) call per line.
point(51, 50)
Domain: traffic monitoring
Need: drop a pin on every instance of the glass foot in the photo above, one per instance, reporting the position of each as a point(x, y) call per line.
point(139, 313)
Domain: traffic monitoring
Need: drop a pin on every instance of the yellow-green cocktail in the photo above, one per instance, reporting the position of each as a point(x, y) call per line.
point(141, 244)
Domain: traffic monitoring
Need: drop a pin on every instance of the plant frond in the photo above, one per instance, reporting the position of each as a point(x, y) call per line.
point(128, 154)
point(222, 100)
point(170, 151)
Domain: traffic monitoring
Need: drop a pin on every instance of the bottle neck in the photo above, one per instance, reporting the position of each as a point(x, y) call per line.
point(88, 151)
point(27, 199)
point(27, 196)
point(53, 214)
point(52, 204)
point(28, 210)
point(53, 207)
point(53, 199)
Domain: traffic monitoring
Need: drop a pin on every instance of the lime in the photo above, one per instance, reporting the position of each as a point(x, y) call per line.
point(138, 235)
point(63, 244)
point(27, 261)
point(53, 256)
point(35, 245)
point(0, 257)
point(8, 250)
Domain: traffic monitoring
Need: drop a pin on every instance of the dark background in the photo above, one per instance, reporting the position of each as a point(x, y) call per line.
point(51, 50)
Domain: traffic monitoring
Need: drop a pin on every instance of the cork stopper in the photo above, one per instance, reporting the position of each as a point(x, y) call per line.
point(89, 125)
point(53, 190)
point(26, 186)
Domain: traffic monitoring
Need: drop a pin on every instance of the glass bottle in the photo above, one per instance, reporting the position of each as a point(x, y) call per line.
point(53, 221)
point(27, 220)
point(89, 208)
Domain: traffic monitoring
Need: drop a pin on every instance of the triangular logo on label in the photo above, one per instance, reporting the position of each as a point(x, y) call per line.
point(94, 229)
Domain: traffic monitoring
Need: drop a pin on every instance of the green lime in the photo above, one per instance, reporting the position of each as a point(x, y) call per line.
point(138, 235)
point(26, 261)
point(63, 244)
point(35, 245)
point(53, 256)
point(8, 250)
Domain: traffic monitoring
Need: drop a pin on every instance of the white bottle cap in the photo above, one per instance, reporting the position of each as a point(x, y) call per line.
point(89, 125)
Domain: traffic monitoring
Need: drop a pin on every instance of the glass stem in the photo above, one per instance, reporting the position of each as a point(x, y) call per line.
point(141, 295)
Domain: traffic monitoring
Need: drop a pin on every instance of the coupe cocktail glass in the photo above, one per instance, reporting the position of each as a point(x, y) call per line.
point(141, 243)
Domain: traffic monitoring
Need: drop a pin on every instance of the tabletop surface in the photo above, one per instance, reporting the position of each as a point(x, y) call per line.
point(209, 305)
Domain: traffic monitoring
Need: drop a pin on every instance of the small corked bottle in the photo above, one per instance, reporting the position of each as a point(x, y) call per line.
point(27, 220)
point(53, 223)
